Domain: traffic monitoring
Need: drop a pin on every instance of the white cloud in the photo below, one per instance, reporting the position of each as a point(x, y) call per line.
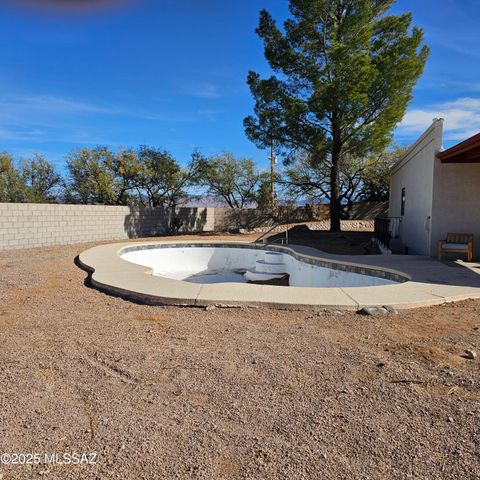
point(463, 86)
point(462, 118)
point(203, 90)
point(46, 117)
point(29, 108)
point(210, 114)
point(62, 105)
point(31, 118)
point(30, 135)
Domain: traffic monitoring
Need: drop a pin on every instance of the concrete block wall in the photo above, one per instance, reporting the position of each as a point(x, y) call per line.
point(24, 225)
point(229, 219)
point(233, 219)
point(368, 210)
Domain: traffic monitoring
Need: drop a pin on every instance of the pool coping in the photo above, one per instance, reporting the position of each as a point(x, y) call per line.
point(113, 275)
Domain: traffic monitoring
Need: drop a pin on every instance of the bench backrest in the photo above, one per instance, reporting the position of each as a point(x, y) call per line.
point(459, 237)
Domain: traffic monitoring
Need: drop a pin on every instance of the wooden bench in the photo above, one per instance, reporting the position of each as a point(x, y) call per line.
point(457, 242)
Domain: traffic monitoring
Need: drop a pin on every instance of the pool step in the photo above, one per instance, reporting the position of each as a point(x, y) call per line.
point(271, 267)
point(273, 257)
point(253, 276)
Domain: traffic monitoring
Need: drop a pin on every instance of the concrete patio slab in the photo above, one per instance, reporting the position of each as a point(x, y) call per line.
point(431, 282)
point(303, 297)
point(111, 274)
point(273, 296)
point(407, 295)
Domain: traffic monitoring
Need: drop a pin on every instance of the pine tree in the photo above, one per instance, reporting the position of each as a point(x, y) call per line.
point(344, 75)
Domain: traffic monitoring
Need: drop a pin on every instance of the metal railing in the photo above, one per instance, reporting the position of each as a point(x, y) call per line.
point(382, 230)
point(283, 241)
point(395, 226)
point(387, 228)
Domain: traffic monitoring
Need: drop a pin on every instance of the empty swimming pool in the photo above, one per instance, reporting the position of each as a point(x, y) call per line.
point(226, 263)
point(200, 273)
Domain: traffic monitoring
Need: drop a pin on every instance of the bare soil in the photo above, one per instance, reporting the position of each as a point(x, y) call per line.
point(353, 242)
point(168, 392)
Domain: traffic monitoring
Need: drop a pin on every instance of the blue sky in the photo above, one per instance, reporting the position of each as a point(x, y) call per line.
point(171, 73)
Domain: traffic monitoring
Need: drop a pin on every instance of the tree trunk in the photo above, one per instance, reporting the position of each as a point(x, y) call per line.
point(335, 207)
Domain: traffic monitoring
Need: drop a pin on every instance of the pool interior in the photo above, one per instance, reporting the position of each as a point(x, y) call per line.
point(212, 276)
point(227, 263)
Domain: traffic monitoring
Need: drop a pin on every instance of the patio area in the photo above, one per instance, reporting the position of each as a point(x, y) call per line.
point(430, 282)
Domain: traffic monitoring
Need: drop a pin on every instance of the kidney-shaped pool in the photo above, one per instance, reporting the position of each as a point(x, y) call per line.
point(239, 274)
point(224, 263)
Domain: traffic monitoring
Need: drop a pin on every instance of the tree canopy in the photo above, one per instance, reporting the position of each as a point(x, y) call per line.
point(162, 179)
point(235, 181)
point(375, 175)
point(360, 178)
point(344, 74)
point(11, 186)
point(147, 176)
point(41, 182)
point(35, 180)
point(92, 178)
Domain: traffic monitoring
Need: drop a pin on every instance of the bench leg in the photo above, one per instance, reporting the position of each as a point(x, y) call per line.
point(469, 255)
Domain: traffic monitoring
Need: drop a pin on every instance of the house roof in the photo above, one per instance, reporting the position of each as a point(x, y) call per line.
point(432, 134)
point(467, 151)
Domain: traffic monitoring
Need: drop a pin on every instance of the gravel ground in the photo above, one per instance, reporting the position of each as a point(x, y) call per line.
point(353, 242)
point(168, 392)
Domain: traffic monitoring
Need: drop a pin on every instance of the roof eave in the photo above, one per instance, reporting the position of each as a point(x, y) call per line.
point(459, 153)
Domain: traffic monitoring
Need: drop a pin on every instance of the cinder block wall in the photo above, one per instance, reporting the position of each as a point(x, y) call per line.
point(231, 219)
point(24, 225)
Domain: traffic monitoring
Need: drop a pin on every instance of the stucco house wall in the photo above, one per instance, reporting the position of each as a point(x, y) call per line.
point(456, 202)
point(415, 172)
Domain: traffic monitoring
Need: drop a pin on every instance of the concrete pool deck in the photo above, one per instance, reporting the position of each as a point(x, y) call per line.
point(431, 282)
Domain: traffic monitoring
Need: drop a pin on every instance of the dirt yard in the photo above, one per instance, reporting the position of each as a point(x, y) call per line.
point(340, 243)
point(167, 392)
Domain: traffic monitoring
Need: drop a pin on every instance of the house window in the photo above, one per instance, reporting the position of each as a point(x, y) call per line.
point(402, 205)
